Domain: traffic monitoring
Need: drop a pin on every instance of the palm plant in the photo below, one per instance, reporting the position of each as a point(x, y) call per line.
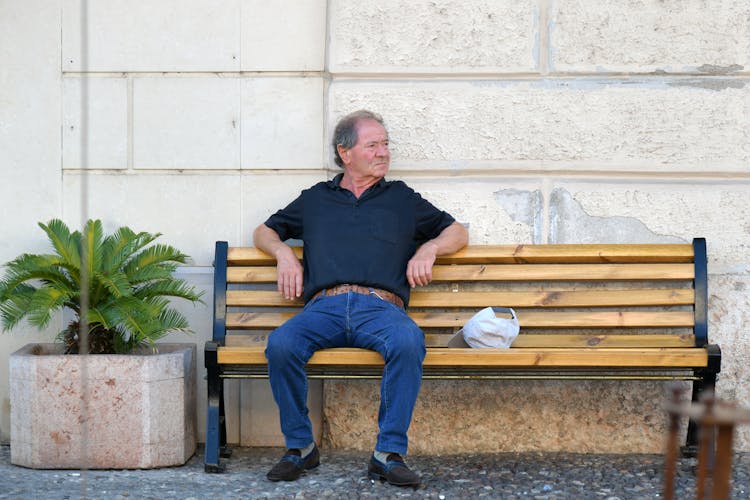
point(129, 286)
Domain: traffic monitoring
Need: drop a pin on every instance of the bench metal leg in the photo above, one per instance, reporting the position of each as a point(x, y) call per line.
point(224, 450)
point(707, 382)
point(216, 433)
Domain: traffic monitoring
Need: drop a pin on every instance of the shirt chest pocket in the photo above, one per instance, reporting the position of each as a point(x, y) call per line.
point(386, 226)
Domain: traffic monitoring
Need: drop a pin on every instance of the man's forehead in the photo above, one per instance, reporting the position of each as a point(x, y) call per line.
point(371, 128)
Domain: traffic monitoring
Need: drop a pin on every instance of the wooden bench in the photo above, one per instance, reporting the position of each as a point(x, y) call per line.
point(613, 311)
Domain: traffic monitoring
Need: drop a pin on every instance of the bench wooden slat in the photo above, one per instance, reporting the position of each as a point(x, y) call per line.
point(552, 298)
point(605, 319)
point(527, 319)
point(558, 357)
point(563, 272)
point(251, 274)
point(519, 254)
point(239, 256)
point(518, 272)
point(524, 341)
point(458, 357)
point(537, 340)
point(510, 254)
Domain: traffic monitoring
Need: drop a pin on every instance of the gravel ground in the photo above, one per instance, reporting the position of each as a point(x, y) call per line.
point(342, 474)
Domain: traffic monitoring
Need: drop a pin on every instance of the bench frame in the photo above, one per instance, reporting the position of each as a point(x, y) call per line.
point(368, 364)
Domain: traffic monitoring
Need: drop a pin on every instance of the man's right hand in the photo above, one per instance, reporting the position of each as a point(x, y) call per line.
point(288, 267)
point(289, 272)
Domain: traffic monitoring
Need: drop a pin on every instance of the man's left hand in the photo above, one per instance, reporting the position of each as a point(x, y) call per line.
point(451, 239)
point(419, 268)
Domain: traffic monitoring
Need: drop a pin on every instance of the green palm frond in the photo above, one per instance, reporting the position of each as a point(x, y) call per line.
point(13, 307)
point(44, 302)
point(65, 243)
point(154, 256)
point(134, 326)
point(156, 328)
point(19, 298)
point(169, 321)
point(116, 285)
point(98, 316)
point(131, 317)
point(125, 312)
point(169, 288)
point(113, 247)
point(27, 267)
point(155, 272)
point(122, 245)
point(92, 244)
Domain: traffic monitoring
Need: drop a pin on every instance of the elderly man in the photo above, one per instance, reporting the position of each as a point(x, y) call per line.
point(367, 242)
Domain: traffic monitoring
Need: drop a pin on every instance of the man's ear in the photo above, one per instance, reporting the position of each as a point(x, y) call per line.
point(343, 153)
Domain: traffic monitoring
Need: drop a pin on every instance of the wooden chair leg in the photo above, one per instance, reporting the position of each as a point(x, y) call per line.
point(705, 461)
point(723, 470)
point(670, 465)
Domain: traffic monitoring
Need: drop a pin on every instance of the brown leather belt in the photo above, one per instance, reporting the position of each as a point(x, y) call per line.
point(364, 290)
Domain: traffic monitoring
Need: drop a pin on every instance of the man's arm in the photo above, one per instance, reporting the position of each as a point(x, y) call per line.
point(419, 269)
point(287, 265)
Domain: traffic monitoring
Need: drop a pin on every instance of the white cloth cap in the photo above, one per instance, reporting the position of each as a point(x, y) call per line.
point(485, 329)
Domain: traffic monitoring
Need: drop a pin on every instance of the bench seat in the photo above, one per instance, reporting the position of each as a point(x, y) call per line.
point(437, 357)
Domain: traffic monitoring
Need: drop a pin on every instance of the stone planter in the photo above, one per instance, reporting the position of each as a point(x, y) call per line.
point(139, 411)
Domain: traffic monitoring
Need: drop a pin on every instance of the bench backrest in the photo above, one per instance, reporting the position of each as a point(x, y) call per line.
point(604, 295)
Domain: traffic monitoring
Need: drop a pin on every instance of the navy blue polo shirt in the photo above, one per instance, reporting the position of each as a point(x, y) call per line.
point(366, 241)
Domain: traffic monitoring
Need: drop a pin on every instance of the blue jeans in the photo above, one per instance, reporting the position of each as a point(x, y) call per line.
point(348, 320)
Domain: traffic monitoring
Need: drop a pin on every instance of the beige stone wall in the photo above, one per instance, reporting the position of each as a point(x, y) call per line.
point(530, 120)
point(504, 416)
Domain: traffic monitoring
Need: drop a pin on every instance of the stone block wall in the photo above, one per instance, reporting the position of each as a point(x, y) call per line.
point(553, 121)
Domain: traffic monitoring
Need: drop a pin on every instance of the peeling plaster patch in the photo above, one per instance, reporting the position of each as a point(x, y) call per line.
point(709, 84)
point(713, 69)
point(569, 223)
point(524, 207)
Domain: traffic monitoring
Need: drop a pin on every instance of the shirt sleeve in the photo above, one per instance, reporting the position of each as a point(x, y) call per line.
point(430, 221)
point(287, 222)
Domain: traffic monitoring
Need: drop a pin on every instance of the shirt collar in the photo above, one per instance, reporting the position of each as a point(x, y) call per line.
point(335, 183)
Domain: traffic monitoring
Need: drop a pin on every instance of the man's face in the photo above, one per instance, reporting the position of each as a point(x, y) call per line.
point(370, 156)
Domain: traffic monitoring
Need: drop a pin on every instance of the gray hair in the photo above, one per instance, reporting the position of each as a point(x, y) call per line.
point(345, 134)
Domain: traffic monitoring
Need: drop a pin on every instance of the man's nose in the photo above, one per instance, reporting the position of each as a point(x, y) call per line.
point(382, 150)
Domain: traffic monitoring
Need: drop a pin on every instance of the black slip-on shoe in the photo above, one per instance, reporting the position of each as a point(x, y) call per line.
point(292, 465)
point(394, 470)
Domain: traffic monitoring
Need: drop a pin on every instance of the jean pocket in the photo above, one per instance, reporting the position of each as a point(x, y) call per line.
point(312, 301)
